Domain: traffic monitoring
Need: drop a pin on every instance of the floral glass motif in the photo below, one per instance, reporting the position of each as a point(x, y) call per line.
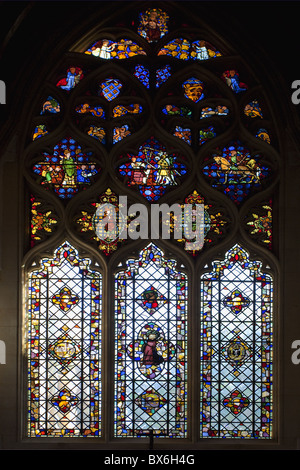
point(88, 222)
point(183, 49)
point(121, 49)
point(236, 402)
point(42, 222)
point(152, 170)
point(65, 299)
point(236, 349)
point(67, 169)
point(236, 302)
point(236, 172)
point(151, 356)
point(64, 347)
point(64, 401)
point(73, 76)
point(153, 24)
point(260, 224)
point(215, 222)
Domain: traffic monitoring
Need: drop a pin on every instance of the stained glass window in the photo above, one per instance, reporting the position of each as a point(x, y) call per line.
point(151, 342)
point(64, 343)
point(153, 109)
point(236, 349)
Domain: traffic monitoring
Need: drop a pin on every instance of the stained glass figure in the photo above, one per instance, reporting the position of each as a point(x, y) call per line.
point(162, 75)
point(232, 79)
point(121, 110)
point(236, 349)
point(73, 76)
point(120, 133)
point(219, 110)
point(152, 170)
point(108, 49)
point(97, 133)
point(193, 89)
point(88, 222)
point(142, 74)
point(253, 110)
point(203, 50)
point(86, 108)
point(236, 172)
point(153, 24)
point(110, 88)
point(40, 131)
point(51, 105)
point(42, 222)
point(181, 48)
point(67, 170)
point(263, 134)
point(215, 222)
point(151, 356)
point(260, 224)
point(64, 347)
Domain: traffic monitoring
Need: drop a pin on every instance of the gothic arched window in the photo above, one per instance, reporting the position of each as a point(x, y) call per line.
point(147, 110)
